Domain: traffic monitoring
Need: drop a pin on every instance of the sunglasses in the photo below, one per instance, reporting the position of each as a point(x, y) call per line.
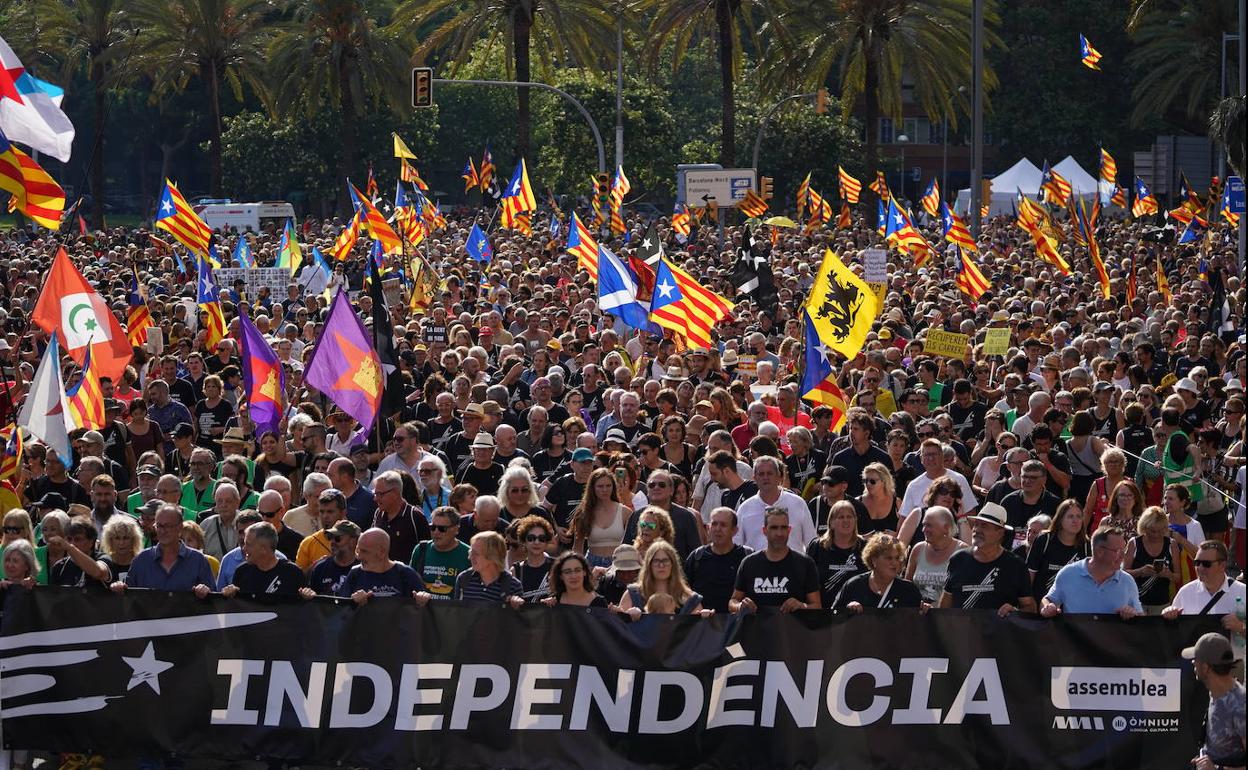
point(442, 527)
point(1206, 563)
point(267, 514)
point(649, 525)
point(870, 482)
point(537, 539)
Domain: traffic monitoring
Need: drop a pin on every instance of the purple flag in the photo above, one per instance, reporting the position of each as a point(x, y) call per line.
point(263, 377)
point(344, 366)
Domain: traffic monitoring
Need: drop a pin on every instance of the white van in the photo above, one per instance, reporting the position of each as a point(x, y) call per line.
point(245, 217)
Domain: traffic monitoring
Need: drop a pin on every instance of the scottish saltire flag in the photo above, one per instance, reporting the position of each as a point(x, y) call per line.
point(263, 378)
point(478, 245)
point(617, 292)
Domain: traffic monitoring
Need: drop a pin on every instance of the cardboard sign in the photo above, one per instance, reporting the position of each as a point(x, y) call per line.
point(996, 341)
point(875, 266)
point(941, 343)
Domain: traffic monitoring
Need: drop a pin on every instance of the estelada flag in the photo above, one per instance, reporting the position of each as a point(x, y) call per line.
point(79, 316)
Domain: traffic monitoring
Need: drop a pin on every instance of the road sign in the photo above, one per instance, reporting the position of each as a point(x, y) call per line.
point(1235, 187)
point(726, 186)
point(422, 87)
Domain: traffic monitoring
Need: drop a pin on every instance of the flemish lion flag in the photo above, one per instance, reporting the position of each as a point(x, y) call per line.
point(79, 316)
point(841, 307)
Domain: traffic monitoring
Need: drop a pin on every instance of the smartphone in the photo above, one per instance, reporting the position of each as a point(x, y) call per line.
point(1159, 564)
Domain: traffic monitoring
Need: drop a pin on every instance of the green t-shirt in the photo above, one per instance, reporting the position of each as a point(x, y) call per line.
point(439, 569)
point(194, 501)
point(934, 395)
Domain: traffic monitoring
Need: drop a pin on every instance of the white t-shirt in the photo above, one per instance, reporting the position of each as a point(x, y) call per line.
point(1193, 597)
point(917, 488)
point(751, 514)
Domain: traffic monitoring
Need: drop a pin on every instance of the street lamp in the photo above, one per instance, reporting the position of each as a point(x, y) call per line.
point(901, 140)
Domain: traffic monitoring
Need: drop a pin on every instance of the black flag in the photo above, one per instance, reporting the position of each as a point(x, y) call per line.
point(392, 395)
point(751, 275)
point(650, 249)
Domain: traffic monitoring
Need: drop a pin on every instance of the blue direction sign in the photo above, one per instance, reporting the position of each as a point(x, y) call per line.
point(1235, 186)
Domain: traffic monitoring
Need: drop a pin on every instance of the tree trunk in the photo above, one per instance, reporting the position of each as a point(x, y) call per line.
point(346, 161)
point(212, 77)
point(97, 147)
point(871, 94)
point(727, 104)
point(523, 27)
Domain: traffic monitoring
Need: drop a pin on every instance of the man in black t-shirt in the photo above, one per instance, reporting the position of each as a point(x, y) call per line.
point(262, 573)
point(328, 574)
point(566, 491)
point(967, 413)
point(480, 470)
point(778, 576)
point(1031, 499)
point(81, 565)
point(712, 568)
point(988, 576)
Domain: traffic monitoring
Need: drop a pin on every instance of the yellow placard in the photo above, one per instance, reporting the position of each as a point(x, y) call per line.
point(942, 343)
point(996, 342)
point(880, 290)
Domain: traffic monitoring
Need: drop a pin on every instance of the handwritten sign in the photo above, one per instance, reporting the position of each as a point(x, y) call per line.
point(941, 343)
point(996, 342)
point(875, 266)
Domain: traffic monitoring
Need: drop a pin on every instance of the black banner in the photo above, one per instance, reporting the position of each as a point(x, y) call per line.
point(391, 685)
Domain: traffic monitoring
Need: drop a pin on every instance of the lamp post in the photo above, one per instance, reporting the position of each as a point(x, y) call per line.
point(901, 140)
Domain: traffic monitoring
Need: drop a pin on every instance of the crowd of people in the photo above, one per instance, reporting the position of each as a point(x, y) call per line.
point(547, 454)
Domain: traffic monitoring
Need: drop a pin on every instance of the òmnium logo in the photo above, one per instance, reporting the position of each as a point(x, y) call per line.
point(1087, 688)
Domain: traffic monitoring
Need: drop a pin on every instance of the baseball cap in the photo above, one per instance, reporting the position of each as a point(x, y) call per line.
point(183, 430)
point(1212, 648)
point(344, 528)
point(149, 470)
point(93, 437)
point(582, 455)
point(51, 500)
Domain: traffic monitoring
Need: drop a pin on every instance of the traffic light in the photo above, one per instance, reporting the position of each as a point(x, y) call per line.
point(422, 87)
point(821, 101)
point(765, 187)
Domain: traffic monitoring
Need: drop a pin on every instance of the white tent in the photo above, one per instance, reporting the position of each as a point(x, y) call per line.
point(1023, 175)
point(1082, 184)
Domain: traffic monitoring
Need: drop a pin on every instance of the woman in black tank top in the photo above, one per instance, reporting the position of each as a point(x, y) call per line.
point(1151, 558)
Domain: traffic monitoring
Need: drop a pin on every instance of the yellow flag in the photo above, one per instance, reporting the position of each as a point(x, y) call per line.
point(400, 149)
point(842, 307)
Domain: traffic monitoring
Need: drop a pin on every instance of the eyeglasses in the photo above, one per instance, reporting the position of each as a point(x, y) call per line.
point(927, 434)
point(524, 490)
point(442, 527)
point(1206, 563)
point(537, 539)
point(648, 525)
point(657, 484)
point(661, 562)
point(1032, 477)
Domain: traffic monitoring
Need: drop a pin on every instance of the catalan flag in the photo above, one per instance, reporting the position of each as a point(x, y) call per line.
point(1031, 219)
point(753, 204)
point(803, 191)
point(138, 317)
point(845, 220)
point(880, 185)
point(376, 224)
point(881, 216)
point(347, 238)
point(485, 171)
point(620, 187)
point(471, 180)
point(14, 445)
point(818, 379)
point(1088, 55)
point(1224, 207)
point(931, 198)
point(370, 185)
point(1132, 286)
point(686, 307)
point(680, 222)
point(409, 174)
point(1191, 199)
point(176, 217)
point(820, 209)
point(35, 193)
point(851, 188)
point(1144, 202)
point(289, 255)
point(1119, 197)
point(1055, 188)
point(407, 221)
point(85, 399)
point(1109, 169)
point(523, 222)
point(210, 302)
point(970, 280)
point(518, 198)
point(904, 236)
point(955, 230)
point(1163, 283)
point(583, 246)
point(1087, 223)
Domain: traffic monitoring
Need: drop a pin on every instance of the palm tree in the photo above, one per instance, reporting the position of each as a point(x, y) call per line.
point(580, 31)
point(870, 46)
point(1177, 54)
point(1227, 125)
point(214, 40)
point(93, 34)
point(731, 23)
point(336, 53)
